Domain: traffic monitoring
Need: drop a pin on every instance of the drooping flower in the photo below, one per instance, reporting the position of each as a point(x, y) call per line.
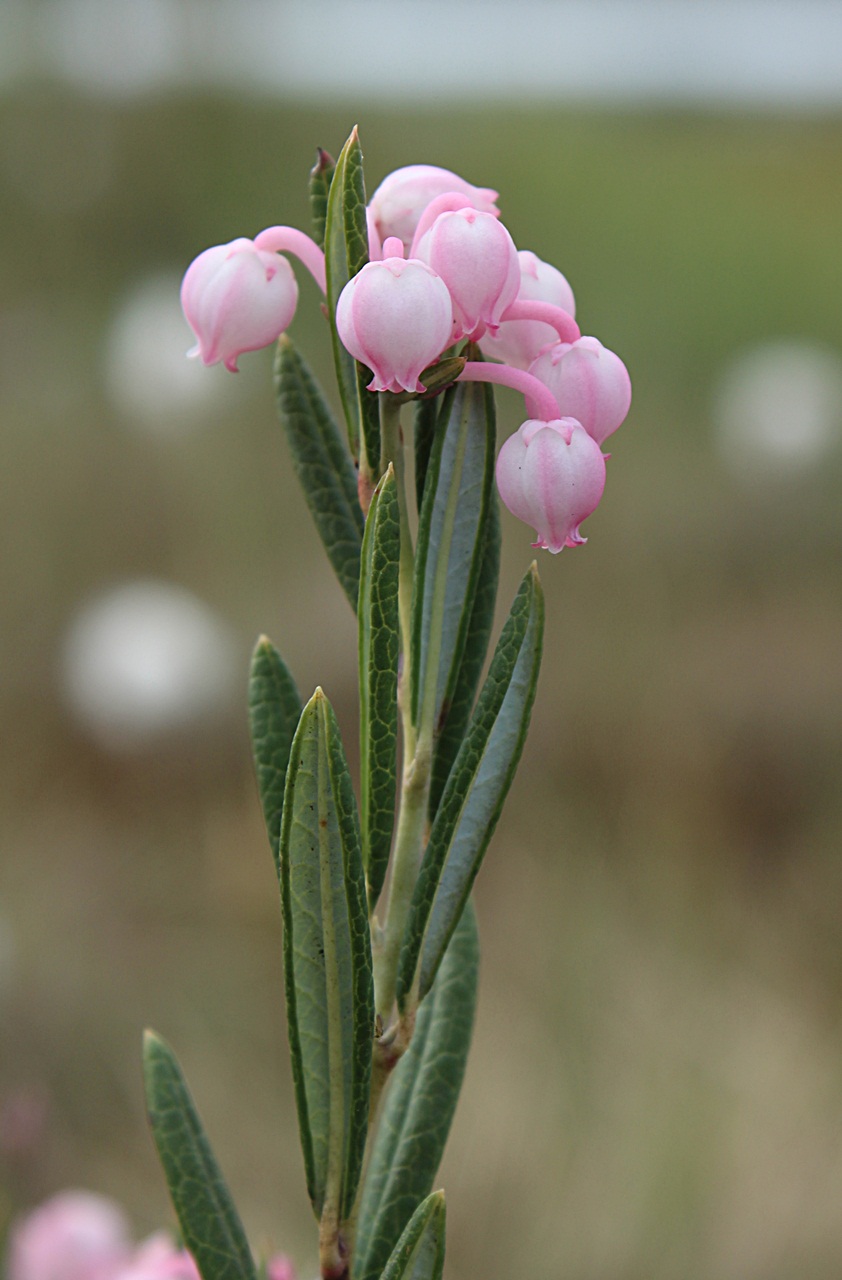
point(518, 342)
point(402, 197)
point(395, 316)
point(477, 259)
point(551, 475)
point(589, 382)
point(74, 1236)
point(237, 298)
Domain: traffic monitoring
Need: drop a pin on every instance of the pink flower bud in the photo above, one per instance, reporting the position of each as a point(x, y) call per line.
point(74, 1236)
point(159, 1258)
point(396, 317)
point(518, 342)
point(237, 298)
point(402, 197)
point(477, 260)
point(589, 382)
point(279, 1267)
point(551, 475)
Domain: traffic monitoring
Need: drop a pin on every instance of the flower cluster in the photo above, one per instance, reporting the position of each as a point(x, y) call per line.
point(81, 1236)
point(442, 270)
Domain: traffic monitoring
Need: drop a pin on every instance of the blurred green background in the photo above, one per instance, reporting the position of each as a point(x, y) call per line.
point(655, 1086)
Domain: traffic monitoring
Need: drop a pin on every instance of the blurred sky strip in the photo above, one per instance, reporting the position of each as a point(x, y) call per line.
point(762, 53)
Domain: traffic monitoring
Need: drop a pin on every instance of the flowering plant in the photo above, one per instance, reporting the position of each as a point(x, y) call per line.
point(428, 303)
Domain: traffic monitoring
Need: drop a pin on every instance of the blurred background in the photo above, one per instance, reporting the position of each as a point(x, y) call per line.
point(655, 1086)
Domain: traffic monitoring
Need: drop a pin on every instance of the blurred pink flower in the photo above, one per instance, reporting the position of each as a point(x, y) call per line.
point(74, 1236)
point(518, 342)
point(396, 206)
point(551, 475)
point(237, 298)
point(589, 382)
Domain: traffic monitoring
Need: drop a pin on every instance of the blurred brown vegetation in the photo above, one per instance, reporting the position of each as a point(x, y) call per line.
point(655, 1087)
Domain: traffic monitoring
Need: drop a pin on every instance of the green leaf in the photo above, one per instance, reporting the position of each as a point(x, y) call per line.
point(209, 1222)
point(424, 431)
point(320, 179)
point(420, 1104)
point(274, 711)
point(321, 461)
point(327, 962)
point(457, 491)
point(419, 1254)
point(455, 717)
point(378, 658)
point(346, 253)
point(475, 790)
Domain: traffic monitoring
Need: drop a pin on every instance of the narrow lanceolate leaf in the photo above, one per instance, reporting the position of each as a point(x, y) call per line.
point(346, 253)
point(456, 715)
point(274, 711)
point(424, 431)
point(420, 1104)
point(209, 1222)
point(327, 962)
point(475, 791)
point(457, 491)
point(419, 1254)
point(321, 461)
point(321, 175)
point(378, 656)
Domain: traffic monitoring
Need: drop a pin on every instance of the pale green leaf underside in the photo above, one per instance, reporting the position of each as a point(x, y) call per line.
point(327, 959)
point(321, 461)
point(419, 1254)
point(420, 1104)
point(475, 790)
point(274, 709)
point(457, 489)
point(455, 719)
point(378, 672)
point(209, 1222)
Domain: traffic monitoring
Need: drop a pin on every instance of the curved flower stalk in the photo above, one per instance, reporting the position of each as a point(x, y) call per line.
point(380, 951)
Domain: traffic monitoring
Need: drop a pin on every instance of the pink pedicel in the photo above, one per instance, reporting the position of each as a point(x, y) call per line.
point(551, 475)
point(237, 298)
point(74, 1236)
point(398, 203)
point(396, 317)
point(518, 342)
point(590, 383)
point(477, 259)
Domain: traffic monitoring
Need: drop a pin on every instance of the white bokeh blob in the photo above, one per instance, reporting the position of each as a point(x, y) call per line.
point(778, 408)
point(144, 661)
point(148, 376)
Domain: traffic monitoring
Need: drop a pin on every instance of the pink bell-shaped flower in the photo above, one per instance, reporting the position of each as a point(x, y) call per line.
point(237, 298)
point(396, 317)
point(477, 259)
point(518, 342)
point(74, 1236)
point(402, 197)
point(551, 475)
point(589, 382)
